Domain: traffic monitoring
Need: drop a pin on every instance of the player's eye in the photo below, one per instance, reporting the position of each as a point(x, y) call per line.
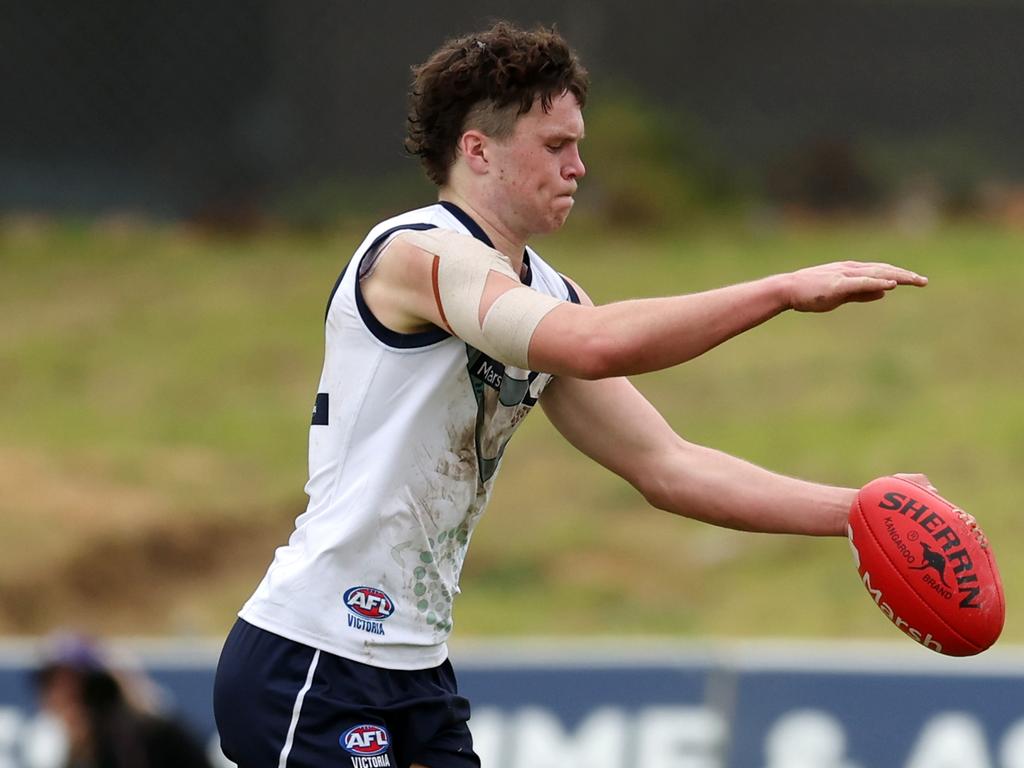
point(555, 147)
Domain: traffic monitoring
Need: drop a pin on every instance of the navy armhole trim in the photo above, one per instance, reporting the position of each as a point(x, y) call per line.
point(468, 222)
point(573, 296)
point(375, 326)
point(373, 246)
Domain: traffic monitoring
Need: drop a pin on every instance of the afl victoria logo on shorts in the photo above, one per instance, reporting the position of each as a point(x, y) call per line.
point(368, 607)
point(367, 744)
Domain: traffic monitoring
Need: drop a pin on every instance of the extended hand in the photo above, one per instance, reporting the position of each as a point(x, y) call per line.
point(920, 479)
point(825, 287)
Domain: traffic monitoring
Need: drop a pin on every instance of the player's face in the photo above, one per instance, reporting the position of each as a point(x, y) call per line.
point(536, 170)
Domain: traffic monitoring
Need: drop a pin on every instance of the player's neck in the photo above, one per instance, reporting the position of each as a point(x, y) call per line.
point(503, 240)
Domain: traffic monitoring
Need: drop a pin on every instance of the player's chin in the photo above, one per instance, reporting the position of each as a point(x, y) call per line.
point(565, 202)
point(560, 211)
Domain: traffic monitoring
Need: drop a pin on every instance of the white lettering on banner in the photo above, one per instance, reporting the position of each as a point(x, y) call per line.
point(696, 737)
point(613, 737)
point(609, 737)
point(44, 742)
point(679, 737)
point(215, 755)
point(1011, 754)
point(489, 742)
point(10, 732)
point(542, 742)
point(951, 740)
point(806, 738)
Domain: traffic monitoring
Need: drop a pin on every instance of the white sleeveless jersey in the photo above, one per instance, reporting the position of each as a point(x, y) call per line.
point(406, 439)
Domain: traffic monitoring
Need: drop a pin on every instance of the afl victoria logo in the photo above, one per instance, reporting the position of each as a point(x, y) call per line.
point(369, 603)
point(365, 740)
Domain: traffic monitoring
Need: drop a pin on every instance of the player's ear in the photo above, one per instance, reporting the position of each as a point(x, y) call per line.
point(473, 149)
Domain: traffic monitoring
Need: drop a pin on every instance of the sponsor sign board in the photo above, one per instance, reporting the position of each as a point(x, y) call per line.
point(583, 706)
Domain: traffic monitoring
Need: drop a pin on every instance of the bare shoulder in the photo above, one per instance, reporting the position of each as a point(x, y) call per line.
point(397, 285)
point(409, 257)
point(401, 255)
point(446, 242)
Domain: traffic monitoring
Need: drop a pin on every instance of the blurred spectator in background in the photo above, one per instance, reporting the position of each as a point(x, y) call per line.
point(107, 719)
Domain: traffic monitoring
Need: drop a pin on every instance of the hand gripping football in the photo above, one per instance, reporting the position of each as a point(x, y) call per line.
point(927, 566)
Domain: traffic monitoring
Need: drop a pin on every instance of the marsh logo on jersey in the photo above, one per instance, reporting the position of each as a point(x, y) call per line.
point(367, 744)
point(504, 395)
point(368, 607)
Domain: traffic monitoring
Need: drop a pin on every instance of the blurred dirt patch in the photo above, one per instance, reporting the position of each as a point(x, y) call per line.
point(85, 549)
point(172, 577)
point(50, 504)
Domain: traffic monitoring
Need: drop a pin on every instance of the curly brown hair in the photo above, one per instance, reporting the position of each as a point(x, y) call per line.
point(486, 81)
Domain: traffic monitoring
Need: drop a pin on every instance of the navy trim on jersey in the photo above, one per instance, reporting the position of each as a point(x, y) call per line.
point(334, 290)
point(468, 222)
point(573, 296)
point(526, 277)
point(478, 232)
point(337, 283)
point(530, 400)
point(375, 326)
point(321, 410)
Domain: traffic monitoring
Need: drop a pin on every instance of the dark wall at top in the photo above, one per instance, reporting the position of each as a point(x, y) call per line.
point(175, 107)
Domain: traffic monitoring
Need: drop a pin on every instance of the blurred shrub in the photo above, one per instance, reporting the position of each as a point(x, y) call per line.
point(947, 173)
point(826, 176)
point(652, 167)
point(648, 166)
point(954, 166)
point(337, 201)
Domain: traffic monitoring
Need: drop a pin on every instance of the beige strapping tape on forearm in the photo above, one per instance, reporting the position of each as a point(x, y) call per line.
point(463, 264)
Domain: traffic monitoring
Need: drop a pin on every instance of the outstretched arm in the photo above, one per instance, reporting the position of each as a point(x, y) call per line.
point(644, 335)
point(409, 290)
point(614, 424)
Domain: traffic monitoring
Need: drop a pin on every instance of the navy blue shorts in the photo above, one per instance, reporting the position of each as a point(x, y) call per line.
point(281, 704)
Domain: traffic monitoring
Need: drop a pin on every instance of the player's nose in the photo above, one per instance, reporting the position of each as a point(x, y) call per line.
point(574, 169)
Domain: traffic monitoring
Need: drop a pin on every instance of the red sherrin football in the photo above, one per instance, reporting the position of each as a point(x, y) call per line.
point(927, 566)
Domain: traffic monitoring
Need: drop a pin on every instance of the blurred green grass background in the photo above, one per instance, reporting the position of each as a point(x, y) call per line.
point(155, 386)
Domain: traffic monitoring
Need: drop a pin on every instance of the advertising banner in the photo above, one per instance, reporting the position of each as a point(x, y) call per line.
point(632, 705)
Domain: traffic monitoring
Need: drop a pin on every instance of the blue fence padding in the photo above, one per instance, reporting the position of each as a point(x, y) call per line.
point(750, 706)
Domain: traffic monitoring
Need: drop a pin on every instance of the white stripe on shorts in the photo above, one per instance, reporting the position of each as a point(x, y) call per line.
point(296, 710)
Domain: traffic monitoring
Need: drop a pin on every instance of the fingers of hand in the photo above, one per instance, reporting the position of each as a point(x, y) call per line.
point(885, 272)
point(822, 288)
point(917, 477)
point(867, 285)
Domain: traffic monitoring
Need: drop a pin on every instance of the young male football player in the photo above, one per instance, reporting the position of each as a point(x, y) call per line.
point(442, 333)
